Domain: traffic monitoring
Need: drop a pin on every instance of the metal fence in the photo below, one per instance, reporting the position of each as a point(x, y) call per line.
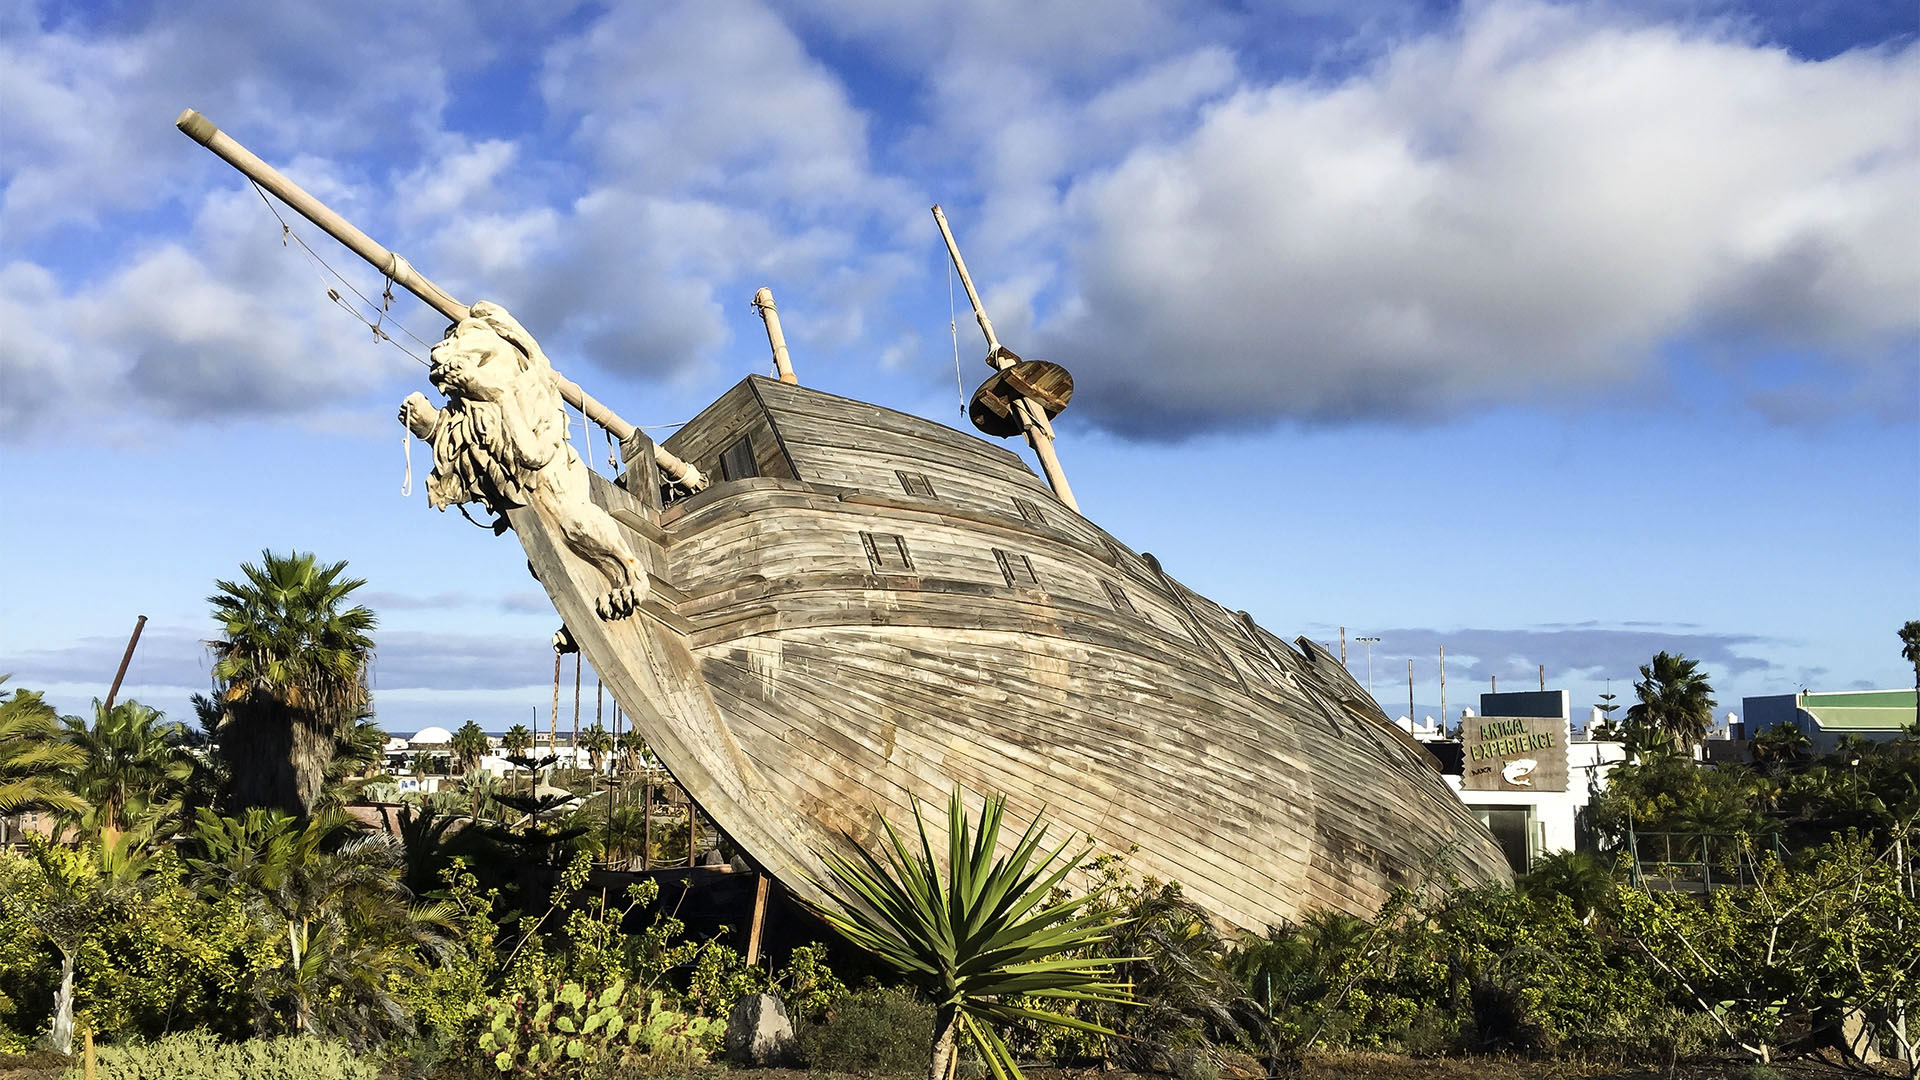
point(1697, 862)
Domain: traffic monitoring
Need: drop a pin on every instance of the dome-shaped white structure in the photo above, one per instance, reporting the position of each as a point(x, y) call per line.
point(429, 736)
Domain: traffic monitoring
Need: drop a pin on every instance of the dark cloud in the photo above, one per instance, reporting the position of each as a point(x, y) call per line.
point(403, 660)
point(528, 603)
point(393, 601)
point(1588, 652)
point(519, 603)
point(167, 656)
point(432, 661)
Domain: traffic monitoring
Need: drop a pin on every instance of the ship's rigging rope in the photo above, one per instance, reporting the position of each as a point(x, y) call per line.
point(333, 294)
point(953, 328)
point(383, 317)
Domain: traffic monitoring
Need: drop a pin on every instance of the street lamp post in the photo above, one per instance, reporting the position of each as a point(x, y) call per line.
point(1369, 642)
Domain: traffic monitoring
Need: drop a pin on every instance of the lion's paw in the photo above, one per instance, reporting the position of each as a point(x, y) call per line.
point(619, 603)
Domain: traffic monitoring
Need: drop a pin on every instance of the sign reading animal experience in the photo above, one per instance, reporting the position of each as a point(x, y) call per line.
point(1514, 753)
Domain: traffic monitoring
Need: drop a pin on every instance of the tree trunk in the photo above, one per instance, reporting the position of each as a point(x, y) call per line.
point(310, 754)
point(258, 744)
point(62, 1036)
point(299, 989)
point(946, 1040)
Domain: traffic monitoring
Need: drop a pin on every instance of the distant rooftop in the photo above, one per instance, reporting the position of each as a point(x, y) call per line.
point(1860, 710)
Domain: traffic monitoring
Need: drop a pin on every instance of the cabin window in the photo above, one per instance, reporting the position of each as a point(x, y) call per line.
point(915, 483)
point(1118, 597)
point(736, 461)
point(887, 552)
point(1029, 510)
point(1017, 569)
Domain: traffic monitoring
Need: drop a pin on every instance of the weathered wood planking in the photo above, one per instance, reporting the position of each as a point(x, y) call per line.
point(800, 691)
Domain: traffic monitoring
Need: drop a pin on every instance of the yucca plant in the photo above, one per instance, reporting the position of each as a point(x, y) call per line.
point(979, 934)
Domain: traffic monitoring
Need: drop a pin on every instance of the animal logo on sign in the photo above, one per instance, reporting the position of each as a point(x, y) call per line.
point(1519, 771)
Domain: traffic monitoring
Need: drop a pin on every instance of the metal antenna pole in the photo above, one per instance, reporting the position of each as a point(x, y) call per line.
point(1369, 642)
point(1033, 419)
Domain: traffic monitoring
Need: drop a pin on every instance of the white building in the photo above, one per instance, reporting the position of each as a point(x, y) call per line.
point(1520, 767)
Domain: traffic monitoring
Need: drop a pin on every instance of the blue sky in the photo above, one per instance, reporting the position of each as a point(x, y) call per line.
point(1550, 333)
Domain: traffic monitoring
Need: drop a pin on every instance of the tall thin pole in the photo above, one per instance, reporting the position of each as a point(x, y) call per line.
point(203, 131)
point(1411, 719)
point(1543, 676)
point(1033, 419)
point(125, 659)
point(553, 719)
point(1343, 646)
point(574, 751)
point(1443, 692)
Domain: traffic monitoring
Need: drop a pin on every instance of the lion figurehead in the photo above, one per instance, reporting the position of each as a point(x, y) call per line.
point(510, 424)
point(489, 356)
point(502, 440)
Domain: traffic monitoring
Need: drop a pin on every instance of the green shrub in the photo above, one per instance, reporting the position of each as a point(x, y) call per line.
point(721, 977)
point(872, 1031)
point(807, 984)
point(1665, 1036)
point(197, 1055)
point(561, 1029)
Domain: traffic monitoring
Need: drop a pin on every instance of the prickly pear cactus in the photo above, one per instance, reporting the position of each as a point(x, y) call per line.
point(564, 1026)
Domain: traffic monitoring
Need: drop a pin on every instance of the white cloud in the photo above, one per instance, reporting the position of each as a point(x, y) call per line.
point(1530, 199)
point(709, 96)
point(88, 122)
point(1538, 199)
point(457, 181)
point(221, 322)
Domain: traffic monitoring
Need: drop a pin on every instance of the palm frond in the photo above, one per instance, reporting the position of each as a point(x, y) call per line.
point(977, 929)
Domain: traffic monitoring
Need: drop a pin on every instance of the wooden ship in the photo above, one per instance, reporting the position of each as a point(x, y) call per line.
point(839, 608)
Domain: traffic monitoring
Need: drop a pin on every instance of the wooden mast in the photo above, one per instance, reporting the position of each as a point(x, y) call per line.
point(402, 273)
point(776, 339)
point(1033, 419)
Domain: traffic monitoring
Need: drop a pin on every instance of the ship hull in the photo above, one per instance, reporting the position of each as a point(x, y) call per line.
point(818, 652)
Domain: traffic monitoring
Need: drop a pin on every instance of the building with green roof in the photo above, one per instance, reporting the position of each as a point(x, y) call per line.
point(1875, 715)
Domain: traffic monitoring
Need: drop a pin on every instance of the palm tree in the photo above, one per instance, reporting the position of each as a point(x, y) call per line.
point(133, 771)
point(518, 740)
point(350, 929)
point(1585, 879)
point(625, 832)
point(1676, 704)
point(470, 744)
point(632, 751)
point(598, 743)
point(67, 895)
point(32, 756)
point(979, 933)
point(1910, 650)
point(290, 673)
point(1782, 747)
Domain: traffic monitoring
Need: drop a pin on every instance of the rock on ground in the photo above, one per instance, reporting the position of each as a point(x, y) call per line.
point(758, 1032)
